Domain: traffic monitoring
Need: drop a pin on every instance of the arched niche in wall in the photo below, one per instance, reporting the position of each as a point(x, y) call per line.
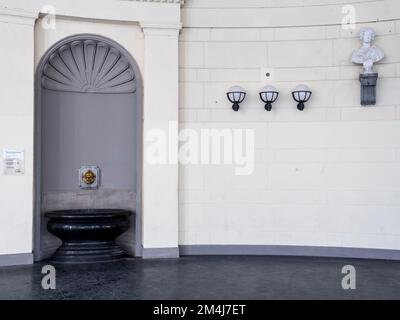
point(88, 112)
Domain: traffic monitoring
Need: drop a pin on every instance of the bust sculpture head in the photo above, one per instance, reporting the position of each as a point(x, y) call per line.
point(368, 54)
point(367, 35)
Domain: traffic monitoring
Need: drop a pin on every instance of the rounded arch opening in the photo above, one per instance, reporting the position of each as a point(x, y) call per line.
point(88, 112)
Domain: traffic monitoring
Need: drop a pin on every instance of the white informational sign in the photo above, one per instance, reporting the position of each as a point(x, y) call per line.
point(14, 162)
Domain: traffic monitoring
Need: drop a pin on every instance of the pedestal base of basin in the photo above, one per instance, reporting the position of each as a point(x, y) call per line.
point(86, 252)
point(88, 235)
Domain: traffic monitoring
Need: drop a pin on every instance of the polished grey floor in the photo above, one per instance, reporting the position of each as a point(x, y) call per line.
point(207, 277)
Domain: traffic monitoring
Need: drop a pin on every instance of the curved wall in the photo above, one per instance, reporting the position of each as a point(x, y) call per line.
point(329, 176)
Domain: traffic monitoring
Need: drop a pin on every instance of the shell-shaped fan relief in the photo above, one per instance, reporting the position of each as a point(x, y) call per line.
point(88, 66)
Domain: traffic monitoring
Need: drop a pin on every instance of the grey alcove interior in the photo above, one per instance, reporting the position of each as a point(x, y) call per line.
point(88, 113)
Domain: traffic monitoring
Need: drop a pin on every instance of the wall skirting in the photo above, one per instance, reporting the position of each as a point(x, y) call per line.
point(306, 251)
point(155, 253)
point(188, 250)
point(16, 259)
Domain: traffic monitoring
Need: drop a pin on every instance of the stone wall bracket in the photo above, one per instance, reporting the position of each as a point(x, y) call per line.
point(368, 88)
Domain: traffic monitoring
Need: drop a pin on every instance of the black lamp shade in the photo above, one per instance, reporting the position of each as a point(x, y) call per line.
point(301, 94)
point(268, 95)
point(236, 96)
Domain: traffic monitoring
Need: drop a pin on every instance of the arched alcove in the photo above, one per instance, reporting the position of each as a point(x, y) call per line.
point(88, 113)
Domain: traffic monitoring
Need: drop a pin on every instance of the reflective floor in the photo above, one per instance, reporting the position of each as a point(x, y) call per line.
point(207, 277)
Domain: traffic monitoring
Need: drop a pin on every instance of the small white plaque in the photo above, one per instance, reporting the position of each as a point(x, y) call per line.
point(14, 162)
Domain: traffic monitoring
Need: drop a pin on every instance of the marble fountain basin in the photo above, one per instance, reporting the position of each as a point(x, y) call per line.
point(88, 235)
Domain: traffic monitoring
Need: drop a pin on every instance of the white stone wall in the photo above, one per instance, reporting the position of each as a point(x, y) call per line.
point(16, 132)
point(149, 31)
point(328, 176)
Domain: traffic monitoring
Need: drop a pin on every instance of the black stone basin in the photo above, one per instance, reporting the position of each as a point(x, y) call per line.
point(88, 235)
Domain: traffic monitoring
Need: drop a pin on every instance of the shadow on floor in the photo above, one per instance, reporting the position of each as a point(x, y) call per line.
point(207, 277)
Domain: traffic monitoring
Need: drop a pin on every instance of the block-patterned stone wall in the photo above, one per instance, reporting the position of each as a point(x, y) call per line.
point(328, 176)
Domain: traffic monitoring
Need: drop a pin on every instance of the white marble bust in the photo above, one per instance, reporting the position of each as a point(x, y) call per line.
point(368, 54)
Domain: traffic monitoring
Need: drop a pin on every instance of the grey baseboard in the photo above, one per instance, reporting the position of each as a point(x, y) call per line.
point(306, 251)
point(16, 259)
point(156, 253)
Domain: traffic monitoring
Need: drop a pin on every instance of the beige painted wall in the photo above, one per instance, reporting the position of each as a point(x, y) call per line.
point(149, 31)
point(16, 133)
point(329, 176)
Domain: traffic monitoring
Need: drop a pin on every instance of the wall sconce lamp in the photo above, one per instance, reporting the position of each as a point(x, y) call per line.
point(268, 95)
point(301, 94)
point(236, 96)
